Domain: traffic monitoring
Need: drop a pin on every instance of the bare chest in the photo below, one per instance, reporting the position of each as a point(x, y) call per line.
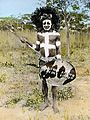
point(48, 37)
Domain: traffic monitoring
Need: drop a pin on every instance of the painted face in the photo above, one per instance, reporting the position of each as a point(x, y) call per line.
point(47, 24)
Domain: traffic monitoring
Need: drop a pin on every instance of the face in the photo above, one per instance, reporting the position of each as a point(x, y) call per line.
point(47, 24)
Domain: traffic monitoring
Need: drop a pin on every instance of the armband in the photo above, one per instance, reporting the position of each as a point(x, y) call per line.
point(58, 43)
point(58, 56)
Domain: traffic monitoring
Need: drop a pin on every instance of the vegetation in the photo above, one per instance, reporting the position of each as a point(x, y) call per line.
point(19, 64)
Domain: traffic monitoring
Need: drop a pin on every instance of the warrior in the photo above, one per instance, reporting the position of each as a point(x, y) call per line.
point(48, 43)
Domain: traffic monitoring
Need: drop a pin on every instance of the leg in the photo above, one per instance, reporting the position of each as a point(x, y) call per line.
point(54, 99)
point(45, 90)
point(45, 93)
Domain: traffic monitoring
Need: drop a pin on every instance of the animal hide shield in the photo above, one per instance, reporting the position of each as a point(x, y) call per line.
point(59, 73)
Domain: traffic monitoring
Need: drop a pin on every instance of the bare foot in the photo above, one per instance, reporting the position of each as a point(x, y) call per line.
point(43, 106)
point(55, 109)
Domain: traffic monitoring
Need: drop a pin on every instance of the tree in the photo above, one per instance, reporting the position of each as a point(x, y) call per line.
point(11, 21)
point(25, 22)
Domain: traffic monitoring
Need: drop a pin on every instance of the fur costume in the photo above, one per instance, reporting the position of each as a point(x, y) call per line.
point(45, 13)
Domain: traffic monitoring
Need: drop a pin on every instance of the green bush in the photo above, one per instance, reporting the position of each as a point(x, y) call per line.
point(65, 93)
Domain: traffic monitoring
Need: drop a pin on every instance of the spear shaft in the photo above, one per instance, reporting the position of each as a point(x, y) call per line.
point(24, 40)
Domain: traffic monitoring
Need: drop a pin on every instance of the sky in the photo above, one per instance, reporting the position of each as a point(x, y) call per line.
point(17, 7)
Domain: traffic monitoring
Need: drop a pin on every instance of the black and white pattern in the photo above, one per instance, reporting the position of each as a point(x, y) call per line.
point(45, 13)
point(48, 44)
point(60, 73)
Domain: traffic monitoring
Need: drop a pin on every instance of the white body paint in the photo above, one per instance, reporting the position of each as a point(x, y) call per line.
point(46, 45)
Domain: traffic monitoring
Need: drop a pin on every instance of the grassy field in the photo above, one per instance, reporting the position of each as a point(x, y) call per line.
point(20, 86)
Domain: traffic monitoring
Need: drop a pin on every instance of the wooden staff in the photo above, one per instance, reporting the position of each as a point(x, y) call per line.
point(23, 40)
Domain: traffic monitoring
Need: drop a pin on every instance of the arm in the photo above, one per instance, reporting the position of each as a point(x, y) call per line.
point(24, 40)
point(35, 47)
point(58, 47)
point(32, 46)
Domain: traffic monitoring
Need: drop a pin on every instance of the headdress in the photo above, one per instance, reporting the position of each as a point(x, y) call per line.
point(43, 13)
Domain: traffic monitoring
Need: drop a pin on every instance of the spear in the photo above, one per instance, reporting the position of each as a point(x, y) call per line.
point(25, 40)
point(22, 39)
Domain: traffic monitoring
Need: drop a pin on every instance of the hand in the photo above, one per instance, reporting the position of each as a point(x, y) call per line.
point(58, 57)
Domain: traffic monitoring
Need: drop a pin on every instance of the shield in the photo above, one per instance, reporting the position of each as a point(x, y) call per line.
point(59, 73)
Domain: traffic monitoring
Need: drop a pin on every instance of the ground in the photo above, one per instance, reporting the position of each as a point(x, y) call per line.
point(77, 108)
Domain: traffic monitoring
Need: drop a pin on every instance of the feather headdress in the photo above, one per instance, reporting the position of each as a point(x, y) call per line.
point(43, 13)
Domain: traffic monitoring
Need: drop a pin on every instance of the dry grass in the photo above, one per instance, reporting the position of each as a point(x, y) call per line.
point(19, 78)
